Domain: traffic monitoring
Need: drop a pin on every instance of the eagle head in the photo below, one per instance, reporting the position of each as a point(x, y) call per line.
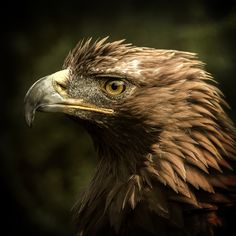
point(166, 147)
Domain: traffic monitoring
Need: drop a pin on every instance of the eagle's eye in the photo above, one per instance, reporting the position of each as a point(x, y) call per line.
point(114, 87)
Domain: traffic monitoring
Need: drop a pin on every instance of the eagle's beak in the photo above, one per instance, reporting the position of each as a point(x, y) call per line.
point(49, 94)
point(43, 96)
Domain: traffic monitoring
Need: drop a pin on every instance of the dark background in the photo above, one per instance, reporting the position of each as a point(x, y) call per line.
point(44, 169)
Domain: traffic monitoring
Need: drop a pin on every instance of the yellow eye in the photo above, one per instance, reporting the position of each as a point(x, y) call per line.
point(115, 87)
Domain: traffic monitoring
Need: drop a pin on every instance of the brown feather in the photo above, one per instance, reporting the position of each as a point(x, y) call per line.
point(187, 137)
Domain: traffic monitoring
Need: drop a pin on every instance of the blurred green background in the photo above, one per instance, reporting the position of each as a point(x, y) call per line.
point(44, 169)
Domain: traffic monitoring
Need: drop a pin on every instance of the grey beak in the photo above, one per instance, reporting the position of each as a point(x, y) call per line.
point(42, 95)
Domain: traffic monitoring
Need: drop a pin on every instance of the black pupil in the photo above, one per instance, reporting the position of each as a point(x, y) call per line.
point(114, 86)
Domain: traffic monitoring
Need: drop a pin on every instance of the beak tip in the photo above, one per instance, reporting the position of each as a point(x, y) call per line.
point(29, 118)
point(29, 113)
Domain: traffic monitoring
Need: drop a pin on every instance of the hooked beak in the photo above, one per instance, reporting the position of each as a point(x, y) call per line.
point(49, 94)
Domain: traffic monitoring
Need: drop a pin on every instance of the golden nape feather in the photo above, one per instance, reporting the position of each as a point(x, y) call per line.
point(166, 146)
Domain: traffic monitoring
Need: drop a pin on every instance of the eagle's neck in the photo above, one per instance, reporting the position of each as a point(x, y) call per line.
point(115, 189)
point(121, 176)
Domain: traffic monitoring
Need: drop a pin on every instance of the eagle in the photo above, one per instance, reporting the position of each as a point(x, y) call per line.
point(166, 147)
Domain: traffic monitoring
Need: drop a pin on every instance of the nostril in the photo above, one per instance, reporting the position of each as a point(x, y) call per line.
point(62, 86)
